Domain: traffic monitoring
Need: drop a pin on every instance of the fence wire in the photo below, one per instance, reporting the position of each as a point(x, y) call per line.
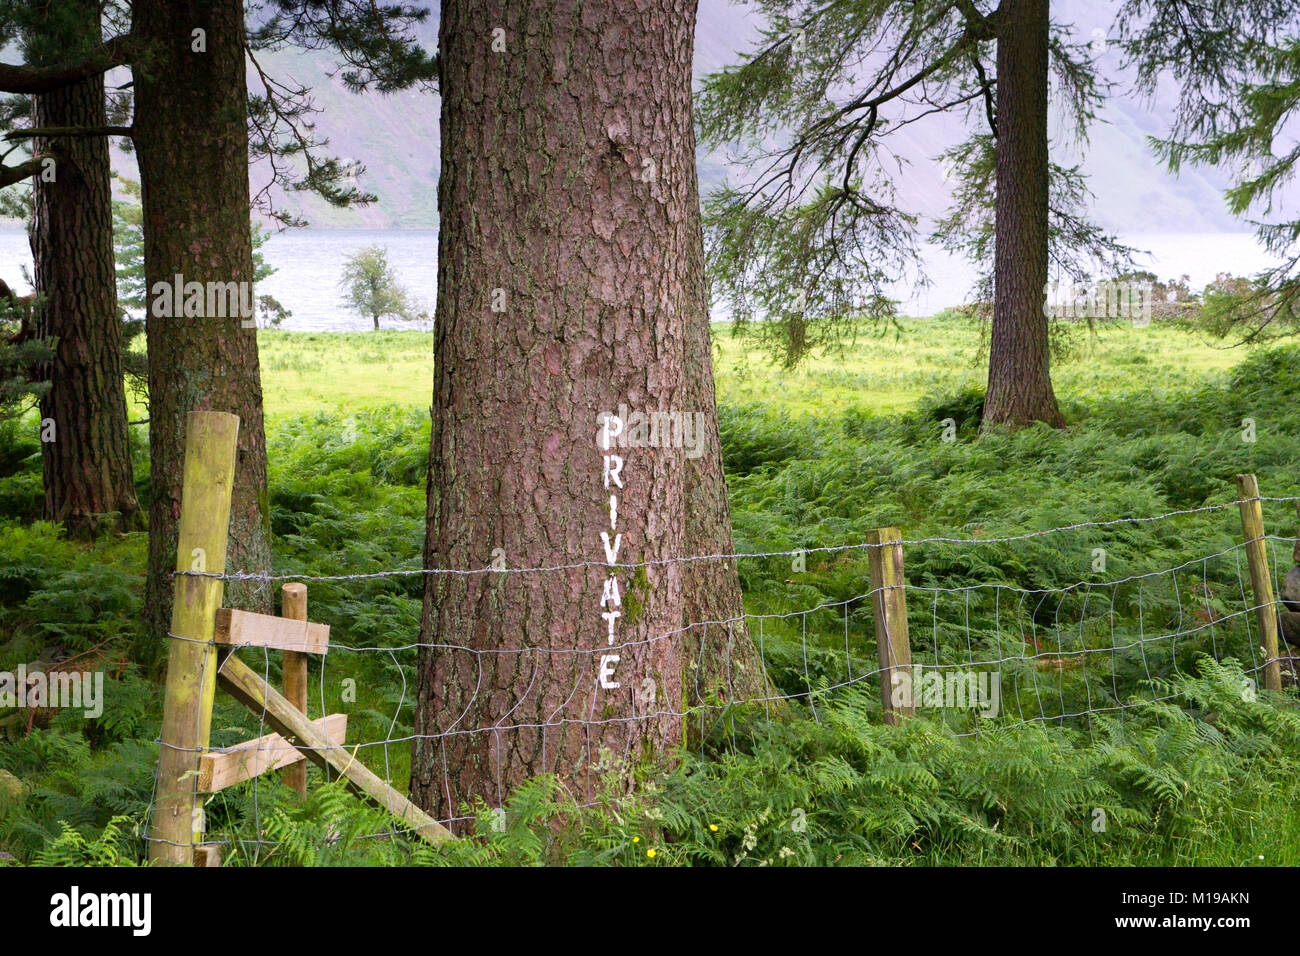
point(987, 655)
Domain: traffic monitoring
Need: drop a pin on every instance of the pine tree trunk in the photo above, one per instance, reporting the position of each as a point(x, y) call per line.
point(192, 143)
point(88, 478)
point(566, 204)
point(1020, 383)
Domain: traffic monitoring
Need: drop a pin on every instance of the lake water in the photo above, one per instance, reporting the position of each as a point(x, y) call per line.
point(308, 264)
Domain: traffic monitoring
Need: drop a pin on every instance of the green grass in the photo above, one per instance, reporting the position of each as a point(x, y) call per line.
point(305, 372)
point(882, 372)
point(815, 458)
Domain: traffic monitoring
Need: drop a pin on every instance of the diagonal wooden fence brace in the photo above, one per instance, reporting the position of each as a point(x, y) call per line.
point(219, 769)
point(246, 686)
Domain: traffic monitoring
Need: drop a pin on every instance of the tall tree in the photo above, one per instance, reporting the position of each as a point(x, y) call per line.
point(189, 133)
point(191, 140)
point(192, 120)
point(813, 240)
point(567, 206)
point(1020, 380)
point(88, 477)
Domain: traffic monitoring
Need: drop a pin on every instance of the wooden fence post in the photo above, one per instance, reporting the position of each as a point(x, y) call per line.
point(1261, 578)
point(890, 600)
point(293, 605)
point(208, 478)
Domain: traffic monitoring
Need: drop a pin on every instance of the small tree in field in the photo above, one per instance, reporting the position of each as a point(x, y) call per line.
point(370, 286)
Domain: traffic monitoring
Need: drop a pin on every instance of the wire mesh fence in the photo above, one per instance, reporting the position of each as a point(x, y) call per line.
point(985, 654)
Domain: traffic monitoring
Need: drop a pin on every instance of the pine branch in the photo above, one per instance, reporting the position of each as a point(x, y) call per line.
point(64, 132)
point(46, 79)
point(9, 175)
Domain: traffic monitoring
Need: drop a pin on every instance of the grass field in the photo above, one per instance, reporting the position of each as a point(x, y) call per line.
point(1185, 768)
point(881, 372)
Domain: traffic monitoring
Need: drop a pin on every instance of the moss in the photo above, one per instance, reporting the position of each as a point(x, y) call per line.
point(633, 601)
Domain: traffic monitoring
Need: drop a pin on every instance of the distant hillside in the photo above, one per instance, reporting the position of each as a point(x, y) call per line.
point(396, 138)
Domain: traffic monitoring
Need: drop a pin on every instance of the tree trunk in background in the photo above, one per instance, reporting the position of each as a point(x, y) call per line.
point(192, 143)
point(567, 184)
point(87, 468)
point(1020, 383)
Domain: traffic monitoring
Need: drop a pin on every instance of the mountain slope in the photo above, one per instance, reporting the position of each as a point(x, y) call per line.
point(396, 138)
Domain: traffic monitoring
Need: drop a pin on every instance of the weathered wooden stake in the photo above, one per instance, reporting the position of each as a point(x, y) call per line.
point(294, 605)
point(890, 603)
point(219, 769)
point(236, 628)
point(1261, 579)
point(209, 855)
point(206, 484)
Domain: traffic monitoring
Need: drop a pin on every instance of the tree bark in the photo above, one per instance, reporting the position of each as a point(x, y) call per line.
point(566, 200)
point(192, 142)
point(1020, 383)
point(89, 485)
